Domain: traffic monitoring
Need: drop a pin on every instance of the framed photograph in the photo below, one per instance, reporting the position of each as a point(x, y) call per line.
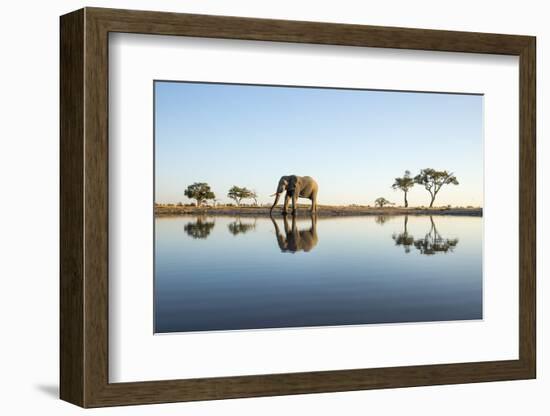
point(255, 207)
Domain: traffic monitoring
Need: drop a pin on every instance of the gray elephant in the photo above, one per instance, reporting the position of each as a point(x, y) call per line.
point(294, 239)
point(296, 187)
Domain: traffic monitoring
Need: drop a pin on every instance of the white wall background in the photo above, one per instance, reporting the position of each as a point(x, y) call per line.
point(29, 209)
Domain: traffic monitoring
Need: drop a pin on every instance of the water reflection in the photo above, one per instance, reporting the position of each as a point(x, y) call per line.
point(200, 228)
point(381, 219)
point(207, 279)
point(430, 244)
point(433, 243)
point(404, 239)
point(238, 227)
point(295, 239)
point(292, 239)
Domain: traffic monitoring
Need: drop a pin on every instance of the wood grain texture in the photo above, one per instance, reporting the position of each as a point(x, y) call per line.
point(527, 207)
point(84, 207)
point(96, 208)
point(162, 23)
point(71, 208)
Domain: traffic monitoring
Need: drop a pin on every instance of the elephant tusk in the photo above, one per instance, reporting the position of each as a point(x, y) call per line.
point(274, 194)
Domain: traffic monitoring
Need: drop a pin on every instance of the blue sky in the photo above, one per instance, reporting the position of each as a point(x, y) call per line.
point(353, 142)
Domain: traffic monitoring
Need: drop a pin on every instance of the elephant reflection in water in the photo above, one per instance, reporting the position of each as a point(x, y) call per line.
point(238, 227)
point(294, 239)
point(200, 228)
point(431, 244)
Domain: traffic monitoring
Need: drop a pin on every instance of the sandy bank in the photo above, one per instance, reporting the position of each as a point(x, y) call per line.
point(323, 211)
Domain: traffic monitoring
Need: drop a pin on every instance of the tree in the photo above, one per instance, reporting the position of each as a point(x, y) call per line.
point(433, 180)
point(405, 184)
point(254, 196)
point(238, 194)
point(200, 191)
point(380, 202)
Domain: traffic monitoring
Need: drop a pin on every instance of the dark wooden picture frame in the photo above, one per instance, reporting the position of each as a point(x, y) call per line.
point(84, 207)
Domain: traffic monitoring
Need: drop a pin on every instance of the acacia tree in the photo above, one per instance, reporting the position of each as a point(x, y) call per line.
point(254, 197)
point(380, 202)
point(433, 180)
point(405, 184)
point(200, 191)
point(237, 194)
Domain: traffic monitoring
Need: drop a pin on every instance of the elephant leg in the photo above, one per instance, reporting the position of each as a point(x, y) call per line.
point(294, 202)
point(287, 200)
point(314, 203)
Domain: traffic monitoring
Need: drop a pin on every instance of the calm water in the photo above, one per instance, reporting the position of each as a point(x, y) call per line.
point(224, 273)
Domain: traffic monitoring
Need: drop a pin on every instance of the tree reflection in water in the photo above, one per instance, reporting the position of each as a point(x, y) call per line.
point(382, 219)
point(404, 239)
point(432, 243)
point(238, 227)
point(200, 228)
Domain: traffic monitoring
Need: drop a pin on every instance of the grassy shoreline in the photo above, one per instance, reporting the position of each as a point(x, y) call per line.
point(323, 211)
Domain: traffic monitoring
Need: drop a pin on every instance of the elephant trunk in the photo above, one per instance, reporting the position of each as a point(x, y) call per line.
point(277, 196)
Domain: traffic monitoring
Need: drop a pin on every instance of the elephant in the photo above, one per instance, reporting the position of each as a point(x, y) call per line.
point(296, 240)
point(296, 187)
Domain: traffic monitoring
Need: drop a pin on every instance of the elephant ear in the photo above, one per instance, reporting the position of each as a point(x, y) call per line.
point(292, 181)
